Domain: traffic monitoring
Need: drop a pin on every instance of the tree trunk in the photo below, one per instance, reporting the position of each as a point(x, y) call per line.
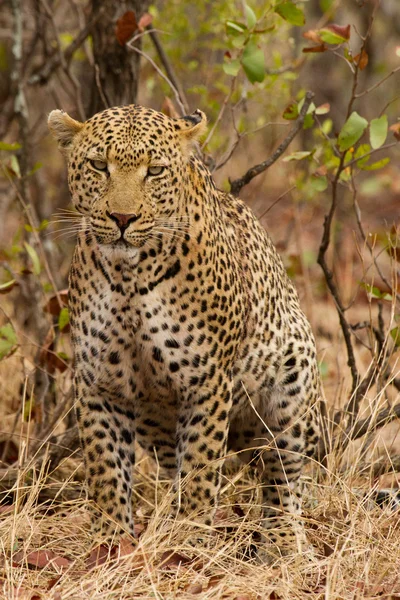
point(116, 71)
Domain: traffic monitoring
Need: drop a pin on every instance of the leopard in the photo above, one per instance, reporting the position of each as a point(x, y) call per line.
point(188, 337)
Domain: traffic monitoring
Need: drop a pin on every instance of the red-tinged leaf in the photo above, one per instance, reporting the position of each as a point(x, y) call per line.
point(361, 60)
point(53, 306)
point(340, 31)
point(291, 112)
point(5, 509)
point(320, 48)
point(194, 588)
point(313, 36)
point(144, 21)
point(396, 130)
point(323, 109)
point(126, 26)
point(98, 556)
point(173, 560)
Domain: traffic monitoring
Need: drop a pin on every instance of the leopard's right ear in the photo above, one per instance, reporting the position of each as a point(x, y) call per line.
point(63, 128)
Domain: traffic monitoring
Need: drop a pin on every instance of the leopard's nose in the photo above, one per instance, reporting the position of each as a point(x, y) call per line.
point(123, 219)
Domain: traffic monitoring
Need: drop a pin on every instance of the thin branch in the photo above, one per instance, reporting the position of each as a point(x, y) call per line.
point(161, 74)
point(42, 76)
point(266, 211)
point(169, 69)
point(220, 114)
point(373, 87)
point(364, 426)
point(238, 184)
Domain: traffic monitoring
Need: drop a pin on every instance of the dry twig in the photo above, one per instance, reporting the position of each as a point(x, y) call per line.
point(238, 184)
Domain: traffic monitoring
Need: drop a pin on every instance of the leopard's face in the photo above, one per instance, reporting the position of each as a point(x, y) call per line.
point(127, 169)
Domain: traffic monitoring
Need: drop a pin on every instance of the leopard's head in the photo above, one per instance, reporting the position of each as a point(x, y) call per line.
point(127, 168)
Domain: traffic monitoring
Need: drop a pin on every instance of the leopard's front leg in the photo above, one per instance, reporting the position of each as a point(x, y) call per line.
point(107, 437)
point(202, 432)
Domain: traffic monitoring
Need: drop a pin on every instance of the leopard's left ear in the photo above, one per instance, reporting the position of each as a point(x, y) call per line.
point(192, 126)
point(64, 128)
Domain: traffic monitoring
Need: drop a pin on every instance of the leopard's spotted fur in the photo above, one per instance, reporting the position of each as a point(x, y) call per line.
point(187, 331)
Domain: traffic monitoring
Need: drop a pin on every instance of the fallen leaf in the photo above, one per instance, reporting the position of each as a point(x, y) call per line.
point(173, 560)
point(41, 559)
point(98, 556)
point(53, 582)
point(125, 547)
point(126, 26)
point(194, 588)
point(6, 508)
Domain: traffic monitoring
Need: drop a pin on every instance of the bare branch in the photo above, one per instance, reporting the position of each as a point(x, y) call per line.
point(369, 424)
point(238, 184)
point(161, 74)
point(168, 69)
point(44, 73)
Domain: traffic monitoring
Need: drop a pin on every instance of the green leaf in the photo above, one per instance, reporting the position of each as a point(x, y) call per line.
point(33, 255)
point(253, 62)
point(43, 225)
point(375, 292)
point(63, 318)
point(232, 67)
point(235, 28)
point(363, 150)
point(378, 130)
point(8, 340)
point(291, 112)
point(291, 13)
point(250, 17)
point(319, 184)
point(9, 147)
point(297, 156)
point(14, 166)
point(351, 131)
point(376, 165)
point(395, 334)
point(35, 168)
point(330, 37)
point(8, 286)
point(308, 121)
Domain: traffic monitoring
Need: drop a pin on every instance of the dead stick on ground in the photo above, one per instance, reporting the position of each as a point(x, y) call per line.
point(238, 184)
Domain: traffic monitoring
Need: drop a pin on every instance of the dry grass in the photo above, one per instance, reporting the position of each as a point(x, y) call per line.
point(357, 544)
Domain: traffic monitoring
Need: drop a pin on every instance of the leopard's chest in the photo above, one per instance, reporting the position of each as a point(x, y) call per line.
point(123, 335)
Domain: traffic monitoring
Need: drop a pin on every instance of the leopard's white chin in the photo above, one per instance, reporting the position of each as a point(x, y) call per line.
point(119, 250)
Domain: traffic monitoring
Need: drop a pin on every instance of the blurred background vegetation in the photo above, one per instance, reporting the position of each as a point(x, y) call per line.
point(248, 67)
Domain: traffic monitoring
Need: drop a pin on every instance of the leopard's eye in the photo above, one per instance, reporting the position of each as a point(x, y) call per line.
point(99, 165)
point(155, 170)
